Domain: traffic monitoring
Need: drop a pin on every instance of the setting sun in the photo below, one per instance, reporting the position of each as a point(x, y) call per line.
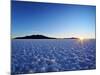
point(81, 38)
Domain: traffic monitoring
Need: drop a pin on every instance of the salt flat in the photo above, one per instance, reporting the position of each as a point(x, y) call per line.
point(52, 55)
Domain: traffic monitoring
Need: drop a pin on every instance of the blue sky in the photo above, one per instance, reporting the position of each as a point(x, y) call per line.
point(54, 20)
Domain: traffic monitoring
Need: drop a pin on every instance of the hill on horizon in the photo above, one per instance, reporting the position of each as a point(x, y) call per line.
point(40, 37)
point(34, 37)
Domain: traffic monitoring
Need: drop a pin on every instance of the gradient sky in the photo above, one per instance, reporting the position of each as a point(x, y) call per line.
point(54, 20)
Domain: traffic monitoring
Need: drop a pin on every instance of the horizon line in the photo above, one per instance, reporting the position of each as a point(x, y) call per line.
point(55, 37)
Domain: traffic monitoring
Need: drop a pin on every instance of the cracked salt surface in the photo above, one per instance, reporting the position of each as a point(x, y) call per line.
point(52, 55)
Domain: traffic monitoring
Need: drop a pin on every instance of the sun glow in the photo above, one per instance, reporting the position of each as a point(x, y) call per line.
point(81, 38)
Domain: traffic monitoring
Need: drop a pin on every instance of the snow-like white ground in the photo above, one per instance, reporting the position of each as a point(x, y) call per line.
point(52, 55)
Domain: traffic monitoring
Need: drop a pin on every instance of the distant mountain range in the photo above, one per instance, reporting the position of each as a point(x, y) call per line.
point(35, 37)
point(71, 38)
point(41, 37)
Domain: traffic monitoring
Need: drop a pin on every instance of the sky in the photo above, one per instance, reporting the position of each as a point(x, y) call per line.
point(53, 20)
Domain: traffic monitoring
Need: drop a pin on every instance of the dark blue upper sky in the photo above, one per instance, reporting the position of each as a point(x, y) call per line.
point(56, 20)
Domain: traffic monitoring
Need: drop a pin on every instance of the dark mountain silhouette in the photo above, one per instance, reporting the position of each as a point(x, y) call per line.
point(41, 37)
point(71, 38)
point(35, 37)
